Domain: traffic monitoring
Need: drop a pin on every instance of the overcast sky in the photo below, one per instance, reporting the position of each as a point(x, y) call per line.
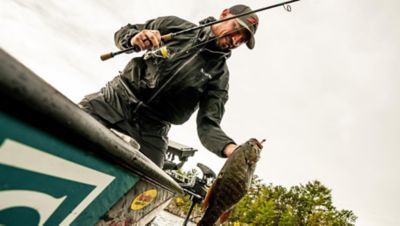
point(322, 85)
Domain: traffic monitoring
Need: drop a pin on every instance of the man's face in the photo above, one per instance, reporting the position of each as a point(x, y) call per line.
point(230, 34)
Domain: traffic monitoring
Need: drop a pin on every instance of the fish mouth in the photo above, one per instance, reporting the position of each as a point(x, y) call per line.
point(259, 144)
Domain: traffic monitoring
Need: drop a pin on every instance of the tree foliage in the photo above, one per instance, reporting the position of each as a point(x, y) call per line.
point(309, 204)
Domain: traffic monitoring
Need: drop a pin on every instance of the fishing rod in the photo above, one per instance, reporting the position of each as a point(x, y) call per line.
point(170, 36)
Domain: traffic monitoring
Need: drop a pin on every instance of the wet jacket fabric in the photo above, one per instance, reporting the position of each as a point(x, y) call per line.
point(195, 76)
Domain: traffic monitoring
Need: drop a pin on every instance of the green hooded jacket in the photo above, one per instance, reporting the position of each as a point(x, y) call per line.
point(195, 76)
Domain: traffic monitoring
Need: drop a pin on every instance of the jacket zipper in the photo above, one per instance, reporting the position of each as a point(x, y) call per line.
point(173, 76)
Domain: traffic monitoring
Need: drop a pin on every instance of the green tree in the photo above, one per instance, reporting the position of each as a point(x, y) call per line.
point(309, 204)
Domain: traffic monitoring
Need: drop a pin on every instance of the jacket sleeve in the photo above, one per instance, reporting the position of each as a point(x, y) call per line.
point(124, 35)
point(165, 25)
point(210, 114)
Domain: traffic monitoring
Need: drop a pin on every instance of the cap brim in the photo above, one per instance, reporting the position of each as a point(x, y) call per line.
point(250, 44)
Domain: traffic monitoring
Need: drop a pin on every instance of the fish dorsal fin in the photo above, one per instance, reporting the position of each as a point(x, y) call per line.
point(209, 196)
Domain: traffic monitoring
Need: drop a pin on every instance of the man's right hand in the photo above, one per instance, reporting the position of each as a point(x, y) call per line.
point(147, 39)
point(229, 149)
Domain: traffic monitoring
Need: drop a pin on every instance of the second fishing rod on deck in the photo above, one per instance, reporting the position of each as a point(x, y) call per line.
point(170, 36)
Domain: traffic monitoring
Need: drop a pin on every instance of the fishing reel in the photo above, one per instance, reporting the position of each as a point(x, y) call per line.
point(161, 52)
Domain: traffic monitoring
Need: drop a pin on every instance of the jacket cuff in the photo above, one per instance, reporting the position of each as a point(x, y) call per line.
point(126, 40)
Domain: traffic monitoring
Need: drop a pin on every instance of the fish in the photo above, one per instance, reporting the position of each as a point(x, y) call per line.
point(231, 184)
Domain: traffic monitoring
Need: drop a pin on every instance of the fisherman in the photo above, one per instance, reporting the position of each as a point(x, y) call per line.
point(153, 92)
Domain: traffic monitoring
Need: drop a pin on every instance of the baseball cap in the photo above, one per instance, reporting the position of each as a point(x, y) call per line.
point(250, 21)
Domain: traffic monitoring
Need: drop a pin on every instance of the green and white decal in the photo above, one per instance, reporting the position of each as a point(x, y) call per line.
point(45, 181)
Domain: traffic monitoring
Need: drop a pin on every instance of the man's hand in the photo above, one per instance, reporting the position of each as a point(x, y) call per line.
point(228, 150)
point(147, 39)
